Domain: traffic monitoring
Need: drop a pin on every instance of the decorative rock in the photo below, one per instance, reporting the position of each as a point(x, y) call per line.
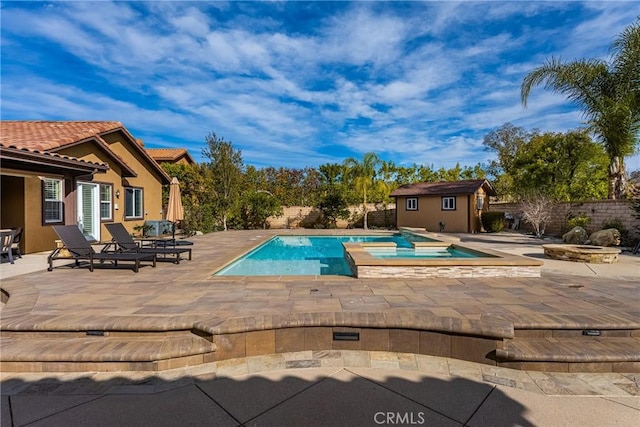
point(576, 236)
point(608, 237)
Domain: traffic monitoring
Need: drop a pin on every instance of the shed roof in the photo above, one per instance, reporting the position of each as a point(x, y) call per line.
point(443, 188)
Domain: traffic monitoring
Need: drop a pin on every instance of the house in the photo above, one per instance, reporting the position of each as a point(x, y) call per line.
point(75, 172)
point(176, 156)
point(453, 207)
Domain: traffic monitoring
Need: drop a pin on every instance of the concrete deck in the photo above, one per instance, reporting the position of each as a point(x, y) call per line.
point(322, 387)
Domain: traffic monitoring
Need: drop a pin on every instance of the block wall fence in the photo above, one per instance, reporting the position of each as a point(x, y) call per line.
point(306, 216)
point(599, 211)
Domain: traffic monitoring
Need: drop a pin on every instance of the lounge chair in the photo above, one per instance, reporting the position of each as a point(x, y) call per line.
point(80, 249)
point(124, 243)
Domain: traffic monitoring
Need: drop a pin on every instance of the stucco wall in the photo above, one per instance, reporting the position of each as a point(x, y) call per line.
point(37, 237)
point(147, 178)
point(430, 214)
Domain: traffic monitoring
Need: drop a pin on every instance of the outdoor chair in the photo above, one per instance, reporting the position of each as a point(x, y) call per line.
point(125, 244)
point(17, 238)
point(6, 240)
point(80, 249)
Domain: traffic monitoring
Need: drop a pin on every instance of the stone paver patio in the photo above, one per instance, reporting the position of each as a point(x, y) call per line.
point(260, 315)
point(69, 295)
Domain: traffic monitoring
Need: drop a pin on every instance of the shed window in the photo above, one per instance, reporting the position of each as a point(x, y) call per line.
point(448, 203)
point(52, 201)
point(412, 204)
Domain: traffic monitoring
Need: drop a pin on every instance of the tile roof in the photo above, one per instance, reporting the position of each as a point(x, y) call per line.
point(46, 135)
point(54, 135)
point(468, 186)
point(13, 152)
point(168, 154)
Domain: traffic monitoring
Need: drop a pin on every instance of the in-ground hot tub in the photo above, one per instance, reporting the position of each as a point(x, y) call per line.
point(435, 259)
point(582, 253)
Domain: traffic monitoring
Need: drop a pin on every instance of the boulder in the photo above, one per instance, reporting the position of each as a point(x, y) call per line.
point(576, 236)
point(608, 237)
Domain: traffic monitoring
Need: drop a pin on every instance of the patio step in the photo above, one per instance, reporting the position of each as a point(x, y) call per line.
point(41, 353)
point(601, 354)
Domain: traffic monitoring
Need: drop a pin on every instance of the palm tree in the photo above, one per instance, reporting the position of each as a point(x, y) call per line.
point(362, 174)
point(609, 95)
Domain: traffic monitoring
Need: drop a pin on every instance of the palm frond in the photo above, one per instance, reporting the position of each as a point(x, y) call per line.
point(581, 81)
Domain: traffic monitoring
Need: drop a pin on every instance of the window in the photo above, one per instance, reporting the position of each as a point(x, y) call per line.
point(106, 202)
point(53, 203)
point(133, 203)
point(448, 203)
point(412, 204)
point(480, 203)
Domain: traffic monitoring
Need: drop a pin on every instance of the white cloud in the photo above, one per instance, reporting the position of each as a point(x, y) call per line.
point(422, 82)
point(192, 22)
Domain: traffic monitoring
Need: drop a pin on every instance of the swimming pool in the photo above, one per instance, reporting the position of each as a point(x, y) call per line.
point(308, 255)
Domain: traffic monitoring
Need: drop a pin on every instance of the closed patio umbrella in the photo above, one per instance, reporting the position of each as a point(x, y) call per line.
point(175, 211)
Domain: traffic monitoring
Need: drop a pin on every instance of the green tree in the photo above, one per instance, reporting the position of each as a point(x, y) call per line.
point(565, 167)
point(607, 92)
point(505, 142)
point(225, 163)
point(362, 174)
point(476, 172)
point(331, 174)
point(196, 183)
point(452, 174)
point(333, 206)
point(257, 208)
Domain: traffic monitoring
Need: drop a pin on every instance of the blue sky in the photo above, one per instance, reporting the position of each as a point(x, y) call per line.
point(300, 84)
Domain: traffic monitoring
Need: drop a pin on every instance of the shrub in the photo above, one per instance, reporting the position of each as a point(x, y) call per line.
point(582, 220)
point(492, 221)
point(143, 229)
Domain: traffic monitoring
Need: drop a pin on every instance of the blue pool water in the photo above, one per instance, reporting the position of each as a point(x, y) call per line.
point(424, 253)
point(305, 255)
